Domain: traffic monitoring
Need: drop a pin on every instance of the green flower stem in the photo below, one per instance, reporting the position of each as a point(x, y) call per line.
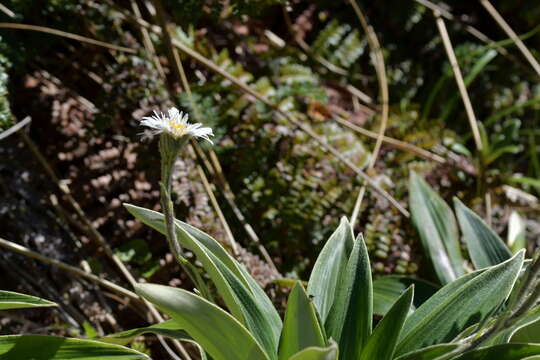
point(169, 148)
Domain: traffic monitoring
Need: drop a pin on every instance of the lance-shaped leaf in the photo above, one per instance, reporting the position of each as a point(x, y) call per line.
point(243, 296)
point(485, 247)
point(13, 300)
point(329, 267)
point(169, 328)
point(382, 343)
point(528, 329)
point(387, 289)
point(39, 347)
point(301, 327)
point(504, 351)
point(350, 319)
point(221, 335)
point(437, 228)
point(316, 353)
point(458, 305)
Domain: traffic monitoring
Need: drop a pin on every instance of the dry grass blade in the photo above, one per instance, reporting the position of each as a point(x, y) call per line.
point(7, 11)
point(102, 282)
point(459, 79)
point(508, 30)
point(395, 143)
point(380, 69)
point(65, 34)
point(12, 130)
point(215, 204)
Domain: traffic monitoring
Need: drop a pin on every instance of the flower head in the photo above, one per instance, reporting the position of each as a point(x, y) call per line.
point(175, 123)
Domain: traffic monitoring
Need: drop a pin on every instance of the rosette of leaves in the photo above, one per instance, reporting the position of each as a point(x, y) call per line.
point(333, 317)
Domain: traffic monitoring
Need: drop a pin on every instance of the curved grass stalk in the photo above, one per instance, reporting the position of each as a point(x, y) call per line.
point(66, 34)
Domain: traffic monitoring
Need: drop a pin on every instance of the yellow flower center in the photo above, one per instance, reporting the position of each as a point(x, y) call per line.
point(179, 129)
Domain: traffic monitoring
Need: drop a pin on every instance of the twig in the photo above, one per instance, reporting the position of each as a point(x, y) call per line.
point(215, 170)
point(395, 143)
point(7, 11)
point(380, 69)
point(147, 41)
point(459, 79)
point(66, 35)
point(4, 134)
point(105, 283)
point(510, 32)
point(213, 200)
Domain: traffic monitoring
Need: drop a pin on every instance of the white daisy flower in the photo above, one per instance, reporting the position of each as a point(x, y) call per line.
point(175, 123)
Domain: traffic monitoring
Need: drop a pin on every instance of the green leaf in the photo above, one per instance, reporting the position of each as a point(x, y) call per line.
point(39, 347)
point(220, 334)
point(458, 305)
point(169, 328)
point(330, 264)
point(528, 329)
point(316, 353)
point(382, 343)
point(13, 300)
point(485, 247)
point(504, 351)
point(437, 227)
point(516, 232)
point(243, 296)
point(429, 352)
point(350, 319)
point(301, 327)
point(387, 289)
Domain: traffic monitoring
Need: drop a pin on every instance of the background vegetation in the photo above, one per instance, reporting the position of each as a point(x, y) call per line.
point(267, 190)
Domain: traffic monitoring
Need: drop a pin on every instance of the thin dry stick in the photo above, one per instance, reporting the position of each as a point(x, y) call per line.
point(306, 128)
point(380, 69)
point(459, 79)
point(508, 30)
point(213, 200)
point(92, 232)
point(215, 170)
point(102, 282)
point(147, 41)
point(473, 31)
point(307, 49)
point(4, 134)
point(7, 11)
point(463, 92)
point(66, 35)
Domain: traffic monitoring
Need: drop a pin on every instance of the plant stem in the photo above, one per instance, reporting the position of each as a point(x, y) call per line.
point(169, 148)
